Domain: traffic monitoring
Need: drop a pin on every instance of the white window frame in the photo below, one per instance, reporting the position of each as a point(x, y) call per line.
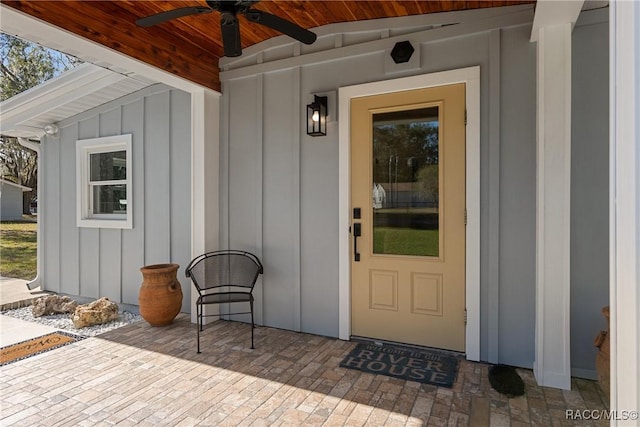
point(84, 148)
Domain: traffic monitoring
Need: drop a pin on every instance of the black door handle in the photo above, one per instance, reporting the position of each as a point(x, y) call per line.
point(357, 232)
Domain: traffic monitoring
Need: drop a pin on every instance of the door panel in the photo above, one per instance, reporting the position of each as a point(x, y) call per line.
point(408, 180)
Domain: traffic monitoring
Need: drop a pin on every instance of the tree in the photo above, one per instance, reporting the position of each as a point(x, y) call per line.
point(428, 183)
point(24, 65)
point(401, 150)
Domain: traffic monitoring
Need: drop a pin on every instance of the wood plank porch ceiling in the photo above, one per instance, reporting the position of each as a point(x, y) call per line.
point(191, 47)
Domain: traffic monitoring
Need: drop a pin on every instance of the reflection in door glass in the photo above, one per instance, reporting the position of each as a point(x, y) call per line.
point(405, 182)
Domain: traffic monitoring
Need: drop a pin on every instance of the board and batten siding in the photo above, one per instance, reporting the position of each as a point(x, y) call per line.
point(105, 262)
point(290, 212)
point(279, 187)
point(589, 190)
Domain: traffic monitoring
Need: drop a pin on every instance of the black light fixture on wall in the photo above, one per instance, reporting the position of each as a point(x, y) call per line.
point(317, 116)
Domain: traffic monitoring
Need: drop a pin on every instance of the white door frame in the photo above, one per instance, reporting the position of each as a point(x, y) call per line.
point(471, 77)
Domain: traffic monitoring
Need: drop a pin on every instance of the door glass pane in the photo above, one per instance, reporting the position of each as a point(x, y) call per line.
point(108, 166)
point(109, 199)
point(405, 182)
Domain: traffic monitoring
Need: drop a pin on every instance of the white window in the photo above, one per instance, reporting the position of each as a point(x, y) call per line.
point(104, 190)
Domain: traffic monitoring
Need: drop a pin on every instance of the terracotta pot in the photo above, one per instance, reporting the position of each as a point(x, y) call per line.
point(160, 296)
point(603, 358)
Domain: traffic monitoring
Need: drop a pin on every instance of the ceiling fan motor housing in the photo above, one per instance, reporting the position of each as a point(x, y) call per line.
point(233, 6)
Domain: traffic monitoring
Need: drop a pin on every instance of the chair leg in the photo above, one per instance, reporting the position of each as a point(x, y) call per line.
point(198, 323)
point(252, 323)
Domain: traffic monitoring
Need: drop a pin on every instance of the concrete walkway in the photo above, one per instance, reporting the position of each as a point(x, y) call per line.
point(13, 331)
point(15, 294)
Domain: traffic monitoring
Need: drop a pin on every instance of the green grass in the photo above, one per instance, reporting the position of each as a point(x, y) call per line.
point(18, 249)
point(405, 241)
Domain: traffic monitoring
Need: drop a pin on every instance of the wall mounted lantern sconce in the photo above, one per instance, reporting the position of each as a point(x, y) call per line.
point(317, 116)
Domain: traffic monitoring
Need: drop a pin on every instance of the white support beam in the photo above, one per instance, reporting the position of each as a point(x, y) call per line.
point(624, 210)
point(550, 13)
point(205, 176)
point(552, 365)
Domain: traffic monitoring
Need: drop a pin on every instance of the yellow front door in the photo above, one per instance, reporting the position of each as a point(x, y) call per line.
point(408, 217)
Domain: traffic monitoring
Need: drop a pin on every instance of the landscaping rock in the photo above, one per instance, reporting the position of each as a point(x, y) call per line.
point(53, 304)
point(95, 313)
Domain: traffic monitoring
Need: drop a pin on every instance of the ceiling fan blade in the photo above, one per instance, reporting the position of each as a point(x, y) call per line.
point(161, 17)
point(230, 34)
point(282, 25)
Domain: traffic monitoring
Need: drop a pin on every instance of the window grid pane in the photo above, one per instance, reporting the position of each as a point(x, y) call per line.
point(109, 199)
point(108, 166)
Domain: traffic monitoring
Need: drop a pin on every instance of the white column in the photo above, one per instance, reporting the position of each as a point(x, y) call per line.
point(624, 212)
point(552, 365)
point(205, 174)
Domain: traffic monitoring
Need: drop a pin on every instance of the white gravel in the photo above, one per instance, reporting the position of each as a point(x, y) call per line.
point(63, 321)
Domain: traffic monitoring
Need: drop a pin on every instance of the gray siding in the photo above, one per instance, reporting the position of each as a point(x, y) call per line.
point(589, 191)
point(282, 186)
point(93, 262)
point(10, 202)
point(517, 296)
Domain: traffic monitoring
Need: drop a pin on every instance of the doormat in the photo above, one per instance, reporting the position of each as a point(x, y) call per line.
point(423, 366)
point(505, 380)
point(22, 350)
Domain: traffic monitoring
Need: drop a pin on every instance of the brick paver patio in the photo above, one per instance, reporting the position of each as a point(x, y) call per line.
point(148, 376)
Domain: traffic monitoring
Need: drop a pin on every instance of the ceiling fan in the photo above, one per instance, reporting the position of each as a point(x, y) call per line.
point(229, 22)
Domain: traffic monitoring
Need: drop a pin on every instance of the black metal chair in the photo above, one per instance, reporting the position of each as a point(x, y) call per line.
point(223, 277)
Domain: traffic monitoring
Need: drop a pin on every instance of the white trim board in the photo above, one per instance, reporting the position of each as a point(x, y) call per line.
point(471, 77)
point(624, 208)
point(205, 175)
point(552, 366)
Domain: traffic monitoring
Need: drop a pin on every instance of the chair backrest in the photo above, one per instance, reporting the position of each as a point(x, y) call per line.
point(224, 268)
